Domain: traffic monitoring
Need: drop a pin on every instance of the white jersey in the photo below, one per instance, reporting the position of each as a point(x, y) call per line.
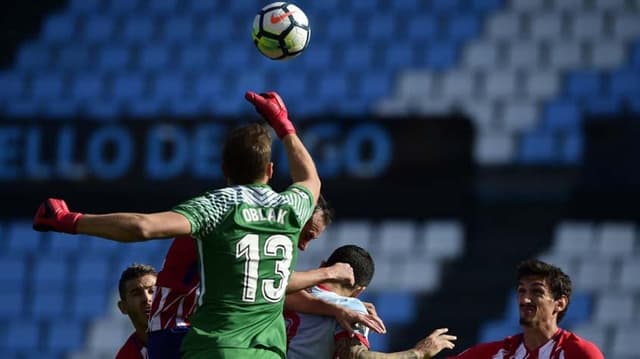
point(314, 336)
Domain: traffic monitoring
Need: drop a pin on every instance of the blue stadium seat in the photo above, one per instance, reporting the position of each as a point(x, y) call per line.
point(497, 330)
point(164, 7)
point(396, 307)
point(584, 84)
point(625, 83)
point(486, 6)
point(168, 85)
point(372, 86)
point(635, 56)
point(463, 27)
point(178, 29)
point(8, 354)
point(235, 55)
point(34, 56)
point(62, 243)
point(92, 272)
point(12, 303)
point(199, 6)
point(98, 29)
point(405, 6)
point(333, 85)
point(21, 238)
point(634, 105)
point(441, 55)
point(73, 56)
point(60, 108)
point(128, 86)
point(381, 28)
point(208, 86)
point(21, 108)
point(49, 303)
point(185, 106)
point(83, 6)
point(86, 86)
point(138, 29)
point(88, 304)
point(358, 57)
point(398, 55)
point(322, 6)
point(572, 148)
point(59, 28)
point(423, 27)
point(113, 57)
point(64, 336)
point(194, 56)
point(365, 7)
point(13, 85)
point(22, 335)
point(153, 57)
point(50, 272)
point(445, 6)
point(103, 109)
point(48, 85)
point(537, 148)
point(602, 105)
point(13, 271)
point(580, 309)
point(100, 246)
point(317, 57)
point(340, 28)
point(144, 107)
point(216, 29)
point(116, 7)
point(561, 115)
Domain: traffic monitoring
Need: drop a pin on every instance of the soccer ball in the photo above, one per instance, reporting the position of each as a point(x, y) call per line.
point(281, 31)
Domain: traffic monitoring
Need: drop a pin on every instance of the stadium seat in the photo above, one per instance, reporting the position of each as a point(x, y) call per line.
point(381, 28)
point(34, 56)
point(540, 84)
point(561, 116)
point(441, 55)
point(13, 86)
point(519, 117)
point(497, 330)
point(572, 148)
point(153, 57)
point(419, 274)
point(83, 6)
point(625, 83)
point(62, 243)
point(92, 272)
point(574, 239)
point(485, 6)
point(119, 7)
point(50, 273)
point(602, 105)
point(128, 86)
point(481, 55)
point(333, 85)
point(103, 109)
point(499, 85)
point(396, 307)
point(12, 303)
point(86, 86)
point(59, 28)
point(178, 30)
point(21, 238)
point(594, 273)
point(99, 246)
point(625, 341)
point(167, 85)
point(105, 335)
point(607, 55)
point(64, 336)
point(74, 57)
point(49, 303)
point(538, 148)
point(217, 28)
point(445, 6)
point(586, 25)
point(625, 26)
point(613, 308)
point(88, 303)
point(98, 29)
point(441, 239)
point(48, 86)
point(584, 84)
point(463, 27)
point(545, 26)
point(422, 27)
point(138, 29)
point(396, 238)
point(580, 309)
point(194, 56)
point(113, 57)
point(358, 57)
point(23, 335)
point(162, 8)
point(615, 239)
point(629, 279)
point(359, 233)
point(597, 334)
point(503, 26)
point(372, 86)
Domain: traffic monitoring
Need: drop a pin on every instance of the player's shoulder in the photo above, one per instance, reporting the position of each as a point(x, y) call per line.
point(131, 349)
point(490, 349)
point(577, 346)
point(323, 293)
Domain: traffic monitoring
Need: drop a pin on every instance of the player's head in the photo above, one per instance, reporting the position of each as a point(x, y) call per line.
point(544, 292)
point(246, 155)
point(136, 290)
point(321, 218)
point(360, 261)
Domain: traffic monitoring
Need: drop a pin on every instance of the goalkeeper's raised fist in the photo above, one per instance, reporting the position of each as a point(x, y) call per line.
point(274, 111)
point(54, 215)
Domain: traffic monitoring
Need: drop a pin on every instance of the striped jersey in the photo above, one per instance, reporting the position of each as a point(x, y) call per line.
point(246, 239)
point(133, 348)
point(563, 345)
point(177, 287)
point(314, 336)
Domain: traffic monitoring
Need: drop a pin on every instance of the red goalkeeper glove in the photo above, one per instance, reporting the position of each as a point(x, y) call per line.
point(272, 108)
point(54, 215)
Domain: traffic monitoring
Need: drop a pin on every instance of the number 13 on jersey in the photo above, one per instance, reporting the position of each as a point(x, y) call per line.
point(249, 248)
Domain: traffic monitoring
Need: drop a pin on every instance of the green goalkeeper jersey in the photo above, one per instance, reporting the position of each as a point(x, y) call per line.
point(247, 239)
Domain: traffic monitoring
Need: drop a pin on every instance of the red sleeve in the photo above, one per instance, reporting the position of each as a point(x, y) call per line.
point(480, 351)
point(179, 270)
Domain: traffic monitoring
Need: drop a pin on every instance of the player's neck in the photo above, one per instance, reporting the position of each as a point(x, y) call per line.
point(535, 337)
point(141, 334)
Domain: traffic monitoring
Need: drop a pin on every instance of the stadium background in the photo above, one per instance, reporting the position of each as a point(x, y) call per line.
point(454, 138)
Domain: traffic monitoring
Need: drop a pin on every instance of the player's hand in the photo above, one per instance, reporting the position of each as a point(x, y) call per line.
point(274, 111)
point(347, 319)
point(341, 272)
point(434, 343)
point(372, 311)
point(54, 215)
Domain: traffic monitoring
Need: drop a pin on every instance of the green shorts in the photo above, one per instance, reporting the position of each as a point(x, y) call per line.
point(232, 353)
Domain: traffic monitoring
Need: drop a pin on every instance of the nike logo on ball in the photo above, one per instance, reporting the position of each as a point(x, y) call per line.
point(279, 18)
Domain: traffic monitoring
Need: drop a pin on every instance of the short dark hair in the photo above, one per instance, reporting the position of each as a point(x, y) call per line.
point(358, 258)
point(246, 153)
point(558, 281)
point(133, 271)
point(325, 207)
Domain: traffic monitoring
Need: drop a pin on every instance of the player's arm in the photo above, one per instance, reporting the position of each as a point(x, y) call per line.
point(339, 272)
point(301, 166)
point(353, 348)
point(54, 215)
point(583, 349)
point(304, 302)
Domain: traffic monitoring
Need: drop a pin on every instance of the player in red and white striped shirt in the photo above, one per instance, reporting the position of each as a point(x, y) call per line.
point(178, 284)
point(544, 293)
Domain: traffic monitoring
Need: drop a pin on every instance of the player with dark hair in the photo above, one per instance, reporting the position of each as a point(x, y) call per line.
point(246, 235)
point(312, 336)
point(544, 294)
point(136, 286)
point(178, 283)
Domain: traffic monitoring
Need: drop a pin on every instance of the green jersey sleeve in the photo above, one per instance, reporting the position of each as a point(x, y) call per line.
point(206, 211)
point(301, 200)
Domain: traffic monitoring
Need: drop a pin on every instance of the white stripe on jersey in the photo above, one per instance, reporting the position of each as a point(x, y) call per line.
point(202, 277)
point(544, 352)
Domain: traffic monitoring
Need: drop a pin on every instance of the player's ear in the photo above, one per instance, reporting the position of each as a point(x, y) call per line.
point(269, 170)
point(122, 307)
point(356, 292)
point(561, 303)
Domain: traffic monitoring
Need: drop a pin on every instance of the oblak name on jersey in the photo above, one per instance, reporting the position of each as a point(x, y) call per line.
point(272, 215)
